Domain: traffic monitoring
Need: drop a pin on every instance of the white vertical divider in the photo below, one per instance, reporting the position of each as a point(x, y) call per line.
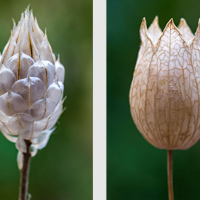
point(99, 99)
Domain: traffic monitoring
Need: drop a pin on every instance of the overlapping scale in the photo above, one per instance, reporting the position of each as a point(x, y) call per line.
point(11, 103)
point(54, 92)
point(48, 122)
point(60, 71)
point(7, 79)
point(3, 118)
point(41, 141)
point(42, 109)
point(44, 70)
point(19, 64)
point(31, 87)
point(54, 117)
point(19, 123)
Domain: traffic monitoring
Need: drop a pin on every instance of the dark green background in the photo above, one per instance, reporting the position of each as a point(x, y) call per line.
point(63, 169)
point(135, 169)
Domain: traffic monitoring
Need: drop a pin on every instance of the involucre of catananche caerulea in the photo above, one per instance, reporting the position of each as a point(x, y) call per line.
point(31, 86)
point(165, 91)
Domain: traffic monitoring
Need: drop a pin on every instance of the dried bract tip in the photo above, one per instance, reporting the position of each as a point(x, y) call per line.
point(30, 39)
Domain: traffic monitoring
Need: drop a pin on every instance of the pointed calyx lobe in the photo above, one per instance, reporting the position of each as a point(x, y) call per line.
point(185, 30)
point(164, 95)
point(154, 31)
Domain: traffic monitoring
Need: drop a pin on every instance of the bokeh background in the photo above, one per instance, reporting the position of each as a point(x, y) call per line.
point(63, 169)
point(135, 169)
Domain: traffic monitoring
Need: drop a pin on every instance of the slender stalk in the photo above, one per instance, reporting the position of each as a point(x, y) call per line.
point(170, 172)
point(25, 172)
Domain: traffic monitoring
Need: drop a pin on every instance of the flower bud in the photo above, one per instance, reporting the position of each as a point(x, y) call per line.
point(31, 86)
point(165, 91)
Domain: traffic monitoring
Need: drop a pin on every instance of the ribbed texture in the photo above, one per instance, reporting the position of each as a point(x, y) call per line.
point(165, 91)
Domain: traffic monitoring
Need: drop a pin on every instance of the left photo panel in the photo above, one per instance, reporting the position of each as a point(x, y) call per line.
point(46, 100)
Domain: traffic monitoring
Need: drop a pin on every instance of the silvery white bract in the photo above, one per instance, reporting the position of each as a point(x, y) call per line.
point(31, 86)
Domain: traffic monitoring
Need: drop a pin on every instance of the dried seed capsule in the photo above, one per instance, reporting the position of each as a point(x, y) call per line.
point(165, 91)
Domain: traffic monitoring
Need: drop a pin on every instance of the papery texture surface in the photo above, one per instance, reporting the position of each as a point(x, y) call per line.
point(165, 94)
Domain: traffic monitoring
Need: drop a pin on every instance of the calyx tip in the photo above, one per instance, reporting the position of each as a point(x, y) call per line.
point(155, 21)
point(171, 21)
point(182, 23)
point(143, 24)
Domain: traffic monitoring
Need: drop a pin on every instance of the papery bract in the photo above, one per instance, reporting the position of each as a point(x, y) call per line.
point(31, 86)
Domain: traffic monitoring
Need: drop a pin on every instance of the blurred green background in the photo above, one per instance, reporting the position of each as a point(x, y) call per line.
point(135, 169)
point(63, 169)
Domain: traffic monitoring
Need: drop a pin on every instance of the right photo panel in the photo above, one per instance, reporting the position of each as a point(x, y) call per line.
point(153, 100)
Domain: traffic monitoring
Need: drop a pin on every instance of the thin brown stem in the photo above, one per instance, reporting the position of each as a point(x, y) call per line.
point(170, 172)
point(25, 172)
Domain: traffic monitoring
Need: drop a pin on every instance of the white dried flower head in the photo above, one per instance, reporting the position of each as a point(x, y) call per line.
point(165, 91)
point(31, 86)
